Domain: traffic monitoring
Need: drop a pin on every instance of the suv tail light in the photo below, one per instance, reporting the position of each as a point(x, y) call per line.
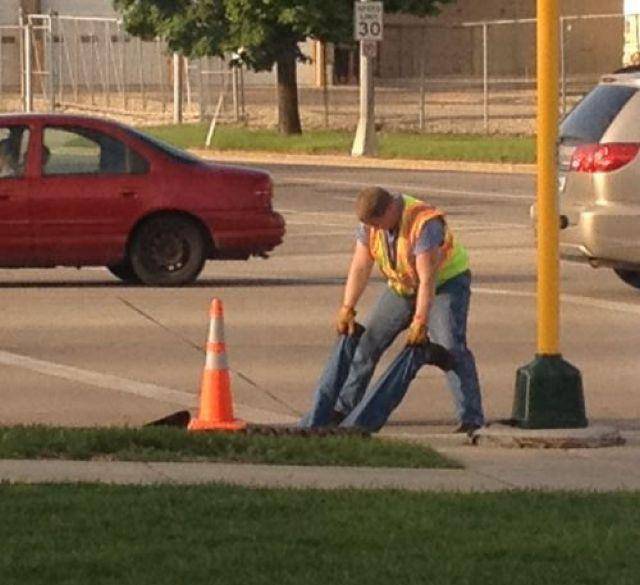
point(602, 158)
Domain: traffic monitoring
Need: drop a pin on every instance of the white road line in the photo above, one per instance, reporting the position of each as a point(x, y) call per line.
point(409, 188)
point(502, 251)
point(566, 298)
point(294, 218)
point(319, 234)
point(105, 381)
point(476, 225)
point(142, 389)
point(347, 231)
point(482, 230)
point(343, 214)
point(316, 223)
point(162, 394)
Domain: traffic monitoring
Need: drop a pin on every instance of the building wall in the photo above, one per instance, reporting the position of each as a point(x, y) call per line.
point(473, 10)
point(79, 7)
point(10, 43)
point(9, 10)
point(592, 46)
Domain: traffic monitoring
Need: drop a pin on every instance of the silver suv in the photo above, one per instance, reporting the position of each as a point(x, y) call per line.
point(599, 178)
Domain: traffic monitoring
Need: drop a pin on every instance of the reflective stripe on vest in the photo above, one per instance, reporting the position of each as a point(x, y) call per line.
point(402, 277)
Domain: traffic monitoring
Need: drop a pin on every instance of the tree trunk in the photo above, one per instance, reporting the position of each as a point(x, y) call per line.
point(288, 113)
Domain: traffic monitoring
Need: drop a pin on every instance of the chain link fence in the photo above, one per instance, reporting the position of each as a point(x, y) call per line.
point(474, 77)
point(482, 76)
point(69, 63)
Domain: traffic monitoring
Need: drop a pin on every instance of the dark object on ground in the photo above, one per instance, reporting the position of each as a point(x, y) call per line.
point(336, 418)
point(180, 418)
point(509, 422)
point(381, 398)
point(467, 428)
point(279, 431)
point(439, 356)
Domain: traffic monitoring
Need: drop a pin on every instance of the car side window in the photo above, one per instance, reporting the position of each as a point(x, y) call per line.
point(14, 143)
point(73, 151)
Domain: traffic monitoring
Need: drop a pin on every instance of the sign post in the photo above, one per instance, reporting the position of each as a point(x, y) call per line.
point(368, 18)
point(548, 390)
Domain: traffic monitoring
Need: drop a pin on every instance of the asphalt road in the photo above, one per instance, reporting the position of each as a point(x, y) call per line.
point(80, 348)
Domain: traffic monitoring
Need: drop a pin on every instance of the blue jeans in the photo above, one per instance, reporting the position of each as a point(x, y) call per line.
point(331, 381)
point(351, 367)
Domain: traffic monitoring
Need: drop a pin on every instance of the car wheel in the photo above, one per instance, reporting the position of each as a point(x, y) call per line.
point(168, 251)
point(124, 271)
point(631, 277)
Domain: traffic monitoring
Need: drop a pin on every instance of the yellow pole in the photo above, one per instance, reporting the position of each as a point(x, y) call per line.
point(549, 389)
point(548, 103)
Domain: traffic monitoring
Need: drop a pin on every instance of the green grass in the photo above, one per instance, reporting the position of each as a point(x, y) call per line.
point(172, 444)
point(496, 149)
point(447, 147)
point(80, 534)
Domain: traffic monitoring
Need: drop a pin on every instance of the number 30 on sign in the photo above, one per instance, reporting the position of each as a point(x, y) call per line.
point(368, 21)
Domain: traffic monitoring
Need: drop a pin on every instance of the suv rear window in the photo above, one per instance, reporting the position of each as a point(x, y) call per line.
point(589, 120)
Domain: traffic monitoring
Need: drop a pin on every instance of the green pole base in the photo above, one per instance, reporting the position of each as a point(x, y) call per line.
point(549, 395)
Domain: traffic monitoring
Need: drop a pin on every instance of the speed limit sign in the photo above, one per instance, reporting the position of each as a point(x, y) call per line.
point(368, 21)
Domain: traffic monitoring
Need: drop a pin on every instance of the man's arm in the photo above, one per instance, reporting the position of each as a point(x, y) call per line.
point(426, 267)
point(357, 280)
point(359, 273)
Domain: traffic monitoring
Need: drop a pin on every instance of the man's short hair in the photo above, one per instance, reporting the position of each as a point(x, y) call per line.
point(372, 202)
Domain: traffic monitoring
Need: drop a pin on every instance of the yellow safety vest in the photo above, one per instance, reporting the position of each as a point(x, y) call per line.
point(402, 277)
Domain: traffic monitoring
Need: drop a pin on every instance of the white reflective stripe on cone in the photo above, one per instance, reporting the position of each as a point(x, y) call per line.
point(216, 330)
point(216, 361)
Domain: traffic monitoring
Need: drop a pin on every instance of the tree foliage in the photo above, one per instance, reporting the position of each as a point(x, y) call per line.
point(263, 28)
point(264, 32)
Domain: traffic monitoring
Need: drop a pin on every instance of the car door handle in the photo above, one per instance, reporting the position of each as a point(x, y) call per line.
point(129, 194)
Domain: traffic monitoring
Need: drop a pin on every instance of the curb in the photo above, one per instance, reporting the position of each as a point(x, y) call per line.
point(580, 438)
point(363, 162)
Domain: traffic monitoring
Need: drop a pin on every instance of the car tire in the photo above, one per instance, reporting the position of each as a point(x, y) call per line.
point(168, 250)
point(631, 277)
point(124, 271)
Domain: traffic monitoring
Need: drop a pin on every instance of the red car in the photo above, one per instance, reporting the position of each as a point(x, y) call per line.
point(81, 191)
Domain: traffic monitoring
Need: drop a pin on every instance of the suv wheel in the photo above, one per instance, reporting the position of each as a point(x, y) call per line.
point(631, 277)
point(168, 251)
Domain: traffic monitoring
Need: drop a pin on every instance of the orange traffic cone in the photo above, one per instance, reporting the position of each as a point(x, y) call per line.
point(216, 404)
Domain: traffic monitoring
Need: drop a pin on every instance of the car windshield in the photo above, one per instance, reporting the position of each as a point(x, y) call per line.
point(172, 151)
point(589, 120)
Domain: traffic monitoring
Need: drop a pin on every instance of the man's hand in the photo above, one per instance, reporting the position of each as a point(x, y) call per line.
point(346, 320)
point(417, 334)
point(435, 354)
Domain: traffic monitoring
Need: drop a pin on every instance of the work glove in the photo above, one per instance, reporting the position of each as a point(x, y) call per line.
point(417, 334)
point(436, 354)
point(346, 321)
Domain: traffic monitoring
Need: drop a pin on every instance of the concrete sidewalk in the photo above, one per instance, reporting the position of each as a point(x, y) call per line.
point(487, 469)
